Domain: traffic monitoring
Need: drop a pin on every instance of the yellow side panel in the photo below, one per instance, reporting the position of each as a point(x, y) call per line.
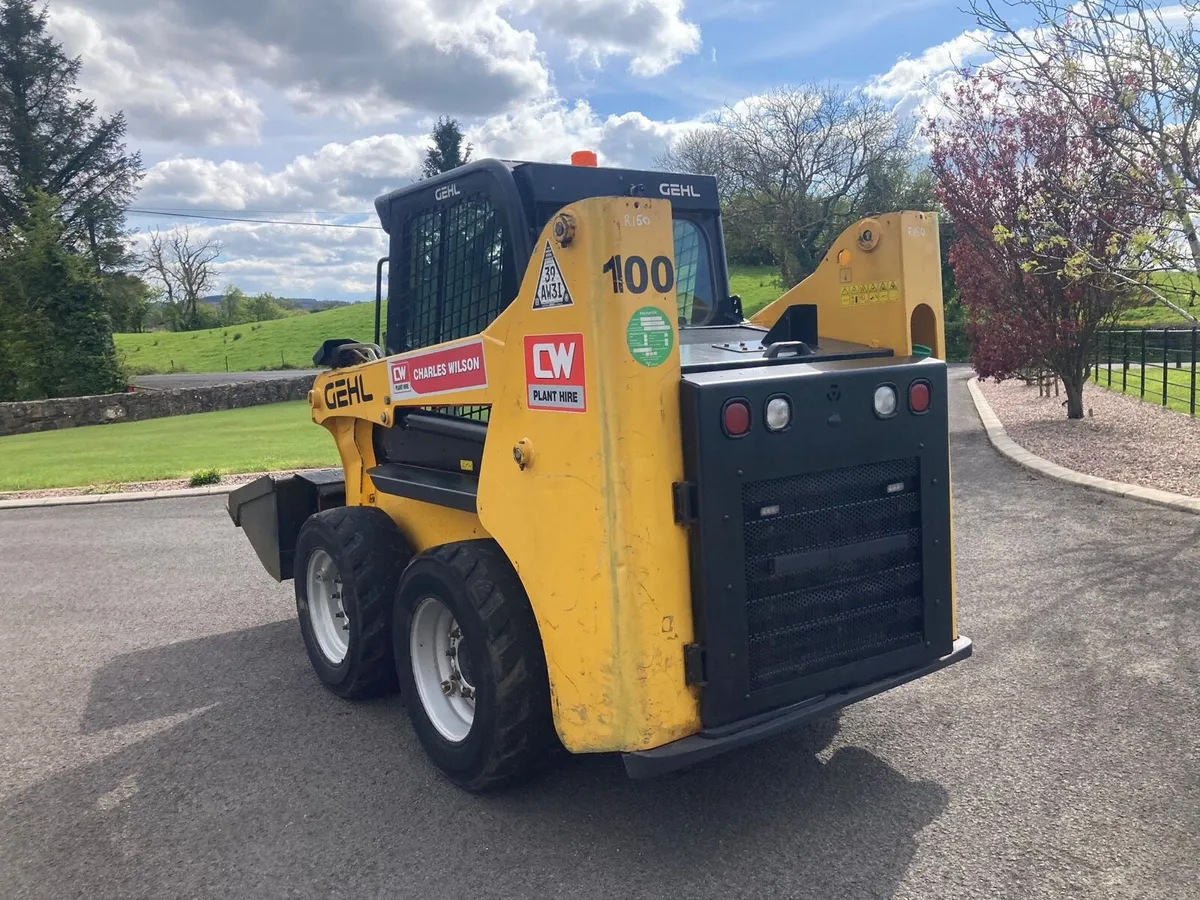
point(589, 524)
point(880, 284)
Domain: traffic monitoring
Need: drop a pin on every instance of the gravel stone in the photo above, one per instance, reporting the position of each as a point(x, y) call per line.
point(1120, 438)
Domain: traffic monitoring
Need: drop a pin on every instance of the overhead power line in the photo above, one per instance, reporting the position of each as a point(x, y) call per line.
point(250, 212)
point(181, 215)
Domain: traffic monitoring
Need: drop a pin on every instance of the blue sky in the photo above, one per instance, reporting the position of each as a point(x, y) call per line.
point(305, 110)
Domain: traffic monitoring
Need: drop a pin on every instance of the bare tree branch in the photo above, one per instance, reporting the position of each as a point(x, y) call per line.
point(183, 267)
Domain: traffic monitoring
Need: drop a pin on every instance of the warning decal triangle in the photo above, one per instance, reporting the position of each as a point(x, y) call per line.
point(551, 288)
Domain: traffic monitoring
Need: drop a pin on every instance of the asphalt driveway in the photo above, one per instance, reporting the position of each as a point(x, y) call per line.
point(162, 736)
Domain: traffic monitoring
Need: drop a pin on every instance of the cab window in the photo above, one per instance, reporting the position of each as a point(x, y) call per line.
point(693, 274)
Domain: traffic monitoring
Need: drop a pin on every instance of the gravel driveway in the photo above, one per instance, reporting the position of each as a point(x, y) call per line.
point(1124, 439)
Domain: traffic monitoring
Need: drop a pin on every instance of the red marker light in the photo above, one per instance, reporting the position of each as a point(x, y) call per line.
point(736, 418)
point(918, 396)
point(583, 158)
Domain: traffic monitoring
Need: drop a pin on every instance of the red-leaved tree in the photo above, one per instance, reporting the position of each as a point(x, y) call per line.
point(1052, 227)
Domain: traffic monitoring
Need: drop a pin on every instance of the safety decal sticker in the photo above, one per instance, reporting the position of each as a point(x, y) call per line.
point(650, 336)
point(443, 371)
point(555, 375)
point(551, 291)
point(864, 293)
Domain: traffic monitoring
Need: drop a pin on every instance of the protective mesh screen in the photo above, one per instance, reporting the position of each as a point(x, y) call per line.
point(454, 282)
point(454, 274)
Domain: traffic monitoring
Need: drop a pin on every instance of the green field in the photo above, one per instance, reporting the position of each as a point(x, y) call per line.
point(258, 439)
point(291, 343)
point(1177, 287)
point(1179, 384)
point(756, 285)
point(278, 344)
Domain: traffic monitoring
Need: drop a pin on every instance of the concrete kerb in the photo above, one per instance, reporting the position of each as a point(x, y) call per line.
point(1018, 454)
point(122, 497)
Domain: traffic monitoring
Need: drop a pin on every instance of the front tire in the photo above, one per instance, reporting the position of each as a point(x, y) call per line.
point(347, 565)
point(471, 666)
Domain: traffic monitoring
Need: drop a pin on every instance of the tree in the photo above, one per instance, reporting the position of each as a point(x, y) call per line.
point(447, 151)
point(127, 299)
point(1132, 69)
point(1050, 226)
point(52, 141)
point(183, 268)
point(233, 306)
point(57, 336)
point(797, 165)
point(264, 307)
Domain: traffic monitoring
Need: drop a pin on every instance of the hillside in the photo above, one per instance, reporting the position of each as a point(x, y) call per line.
point(281, 343)
point(291, 343)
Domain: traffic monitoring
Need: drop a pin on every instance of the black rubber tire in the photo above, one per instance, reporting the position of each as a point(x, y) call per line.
point(512, 735)
point(370, 555)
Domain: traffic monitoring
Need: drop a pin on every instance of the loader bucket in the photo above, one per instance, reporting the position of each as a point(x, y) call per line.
point(271, 510)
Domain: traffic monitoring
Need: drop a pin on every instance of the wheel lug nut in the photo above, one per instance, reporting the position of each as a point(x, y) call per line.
point(447, 688)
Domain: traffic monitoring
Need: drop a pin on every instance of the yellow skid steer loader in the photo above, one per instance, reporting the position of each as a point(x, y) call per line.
point(584, 501)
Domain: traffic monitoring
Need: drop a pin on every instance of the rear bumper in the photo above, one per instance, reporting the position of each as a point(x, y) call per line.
point(713, 742)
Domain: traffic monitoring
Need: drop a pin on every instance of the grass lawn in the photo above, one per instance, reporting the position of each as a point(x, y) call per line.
point(1179, 384)
point(756, 285)
point(260, 438)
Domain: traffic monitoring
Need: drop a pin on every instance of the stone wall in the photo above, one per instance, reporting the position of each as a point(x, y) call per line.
point(69, 412)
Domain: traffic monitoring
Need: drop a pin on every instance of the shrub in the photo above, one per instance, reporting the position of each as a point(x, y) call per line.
point(205, 476)
point(237, 335)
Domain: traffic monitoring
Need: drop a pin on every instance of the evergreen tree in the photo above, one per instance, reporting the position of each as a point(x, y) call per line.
point(56, 337)
point(53, 141)
point(447, 151)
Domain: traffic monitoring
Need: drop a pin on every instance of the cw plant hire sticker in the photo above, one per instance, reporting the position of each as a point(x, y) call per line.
point(446, 370)
point(551, 291)
point(555, 374)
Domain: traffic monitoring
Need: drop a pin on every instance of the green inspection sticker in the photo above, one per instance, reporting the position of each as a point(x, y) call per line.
point(650, 336)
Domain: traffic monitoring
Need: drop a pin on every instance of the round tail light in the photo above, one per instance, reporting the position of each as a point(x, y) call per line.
point(918, 396)
point(736, 418)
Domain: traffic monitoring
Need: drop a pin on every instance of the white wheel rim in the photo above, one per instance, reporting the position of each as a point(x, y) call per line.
point(330, 624)
point(447, 696)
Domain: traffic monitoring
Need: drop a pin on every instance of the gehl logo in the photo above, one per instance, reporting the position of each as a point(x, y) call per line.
point(346, 392)
point(445, 193)
point(678, 190)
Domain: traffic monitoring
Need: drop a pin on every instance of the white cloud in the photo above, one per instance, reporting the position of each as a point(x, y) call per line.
point(198, 72)
point(325, 263)
point(551, 129)
point(197, 106)
point(914, 83)
point(339, 263)
point(653, 33)
point(347, 177)
point(335, 177)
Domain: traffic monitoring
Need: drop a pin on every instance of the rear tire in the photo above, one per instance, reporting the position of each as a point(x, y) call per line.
point(347, 565)
point(471, 666)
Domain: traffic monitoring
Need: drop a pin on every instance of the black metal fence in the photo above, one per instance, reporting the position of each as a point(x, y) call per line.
point(1157, 364)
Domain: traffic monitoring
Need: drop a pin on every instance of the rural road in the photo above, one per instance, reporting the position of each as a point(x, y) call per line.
point(204, 379)
point(163, 736)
